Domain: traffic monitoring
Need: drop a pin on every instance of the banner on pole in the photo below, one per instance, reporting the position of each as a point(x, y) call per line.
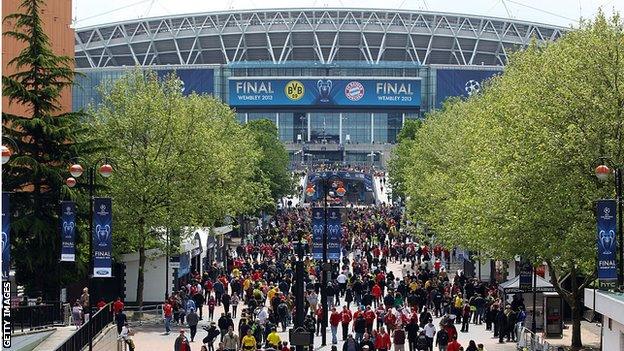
point(606, 242)
point(318, 224)
point(526, 275)
point(6, 238)
point(102, 237)
point(68, 231)
point(334, 232)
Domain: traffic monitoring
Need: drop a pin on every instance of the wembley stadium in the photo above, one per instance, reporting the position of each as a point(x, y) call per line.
point(338, 83)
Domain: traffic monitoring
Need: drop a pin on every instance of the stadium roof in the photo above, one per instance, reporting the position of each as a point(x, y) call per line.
point(279, 36)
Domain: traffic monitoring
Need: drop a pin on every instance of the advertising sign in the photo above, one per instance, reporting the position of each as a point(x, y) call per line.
point(318, 224)
point(68, 230)
point(334, 233)
point(460, 82)
point(102, 237)
point(6, 238)
point(320, 92)
point(606, 242)
point(196, 80)
point(526, 275)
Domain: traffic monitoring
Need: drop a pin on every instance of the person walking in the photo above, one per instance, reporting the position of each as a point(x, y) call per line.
point(231, 340)
point(234, 301)
point(346, 319)
point(248, 342)
point(398, 338)
point(181, 343)
point(334, 320)
point(382, 341)
point(168, 316)
point(192, 319)
point(77, 314)
point(120, 321)
point(430, 332)
point(442, 339)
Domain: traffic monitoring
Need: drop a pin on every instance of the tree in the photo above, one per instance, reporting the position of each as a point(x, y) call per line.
point(46, 139)
point(399, 160)
point(273, 165)
point(509, 171)
point(176, 164)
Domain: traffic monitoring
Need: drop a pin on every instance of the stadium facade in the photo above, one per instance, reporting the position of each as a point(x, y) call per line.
point(338, 83)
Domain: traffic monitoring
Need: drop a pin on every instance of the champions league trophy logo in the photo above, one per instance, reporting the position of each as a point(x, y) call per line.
point(68, 227)
point(324, 88)
point(606, 239)
point(102, 232)
point(5, 241)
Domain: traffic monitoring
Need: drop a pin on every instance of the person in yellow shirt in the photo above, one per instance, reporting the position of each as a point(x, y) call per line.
point(248, 342)
point(273, 340)
point(246, 284)
point(271, 293)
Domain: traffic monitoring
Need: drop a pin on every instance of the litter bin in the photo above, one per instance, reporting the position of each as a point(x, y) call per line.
point(553, 315)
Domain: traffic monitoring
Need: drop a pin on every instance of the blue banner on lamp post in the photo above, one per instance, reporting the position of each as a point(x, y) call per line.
point(68, 230)
point(334, 231)
point(102, 237)
point(318, 224)
point(6, 236)
point(606, 242)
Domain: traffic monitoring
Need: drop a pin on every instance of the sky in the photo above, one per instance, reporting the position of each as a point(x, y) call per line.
point(555, 12)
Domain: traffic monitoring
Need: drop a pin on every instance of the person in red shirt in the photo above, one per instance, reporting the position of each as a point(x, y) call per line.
point(376, 292)
point(453, 345)
point(369, 315)
point(382, 341)
point(346, 319)
point(101, 304)
point(168, 315)
point(334, 319)
point(118, 305)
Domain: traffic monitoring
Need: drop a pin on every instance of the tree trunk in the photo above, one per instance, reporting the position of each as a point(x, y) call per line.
point(577, 344)
point(141, 277)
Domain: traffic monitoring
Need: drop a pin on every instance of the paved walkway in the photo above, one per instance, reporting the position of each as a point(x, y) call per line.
point(52, 342)
point(153, 338)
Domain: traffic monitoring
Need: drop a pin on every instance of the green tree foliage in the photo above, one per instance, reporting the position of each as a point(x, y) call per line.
point(273, 158)
point(510, 171)
point(179, 161)
point(46, 139)
point(400, 158)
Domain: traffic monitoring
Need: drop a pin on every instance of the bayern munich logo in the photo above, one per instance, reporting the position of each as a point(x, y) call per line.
point(354, 91)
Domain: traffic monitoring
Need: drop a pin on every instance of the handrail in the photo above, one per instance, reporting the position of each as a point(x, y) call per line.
point(37, 316)
point(89, 330)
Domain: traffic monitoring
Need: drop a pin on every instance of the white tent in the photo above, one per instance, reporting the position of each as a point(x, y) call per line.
point(512, 286)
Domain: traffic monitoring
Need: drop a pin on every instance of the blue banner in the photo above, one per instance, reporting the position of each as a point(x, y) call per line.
point(320, 92)
point(460, 82)
point(606, 242)
point(185, 265)
point(318, 225)
point(68, 230)
point(334, 232)
point(6, 235)
point(526, 275)
point(200, 81)
point(102, 237)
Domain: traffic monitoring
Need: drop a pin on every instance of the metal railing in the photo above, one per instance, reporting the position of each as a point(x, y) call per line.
point(89, 330)
point(529, 341)
point(37, 316)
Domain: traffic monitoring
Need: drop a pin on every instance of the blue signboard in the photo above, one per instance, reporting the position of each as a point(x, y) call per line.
point(6, 236)
point(200, 81)
point(606, 241)
point(458, 82)
point(68, 230)
point(185, 265)
point(102, 237)
point(318, 225)
point(334, 233)
point(323, 92)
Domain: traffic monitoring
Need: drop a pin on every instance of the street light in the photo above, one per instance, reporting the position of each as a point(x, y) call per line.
point(602, 172)
point(335, 182)
point(76, 170)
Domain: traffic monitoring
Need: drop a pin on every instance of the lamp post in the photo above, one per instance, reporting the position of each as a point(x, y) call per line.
point(602, 172)
point(76, 170)
point(340, 191)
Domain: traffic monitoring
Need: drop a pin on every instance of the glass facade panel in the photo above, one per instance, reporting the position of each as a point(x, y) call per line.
point(286, 130)
point(380, 125)
point(357, 126)
point(324, 127)
point(240, 117)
